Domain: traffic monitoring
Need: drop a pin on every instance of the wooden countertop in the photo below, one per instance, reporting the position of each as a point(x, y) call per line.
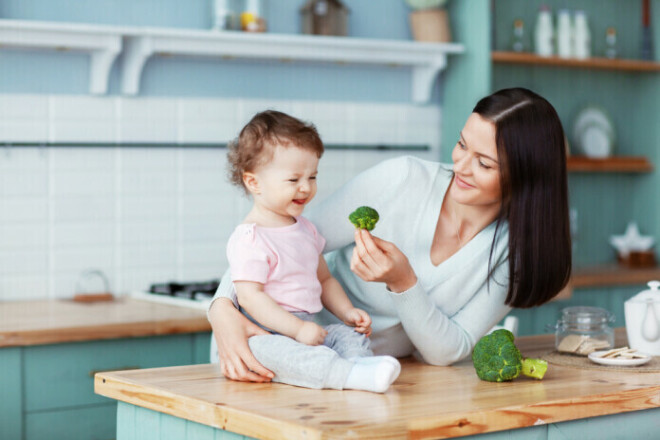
point(57, 321)
point(425, 401)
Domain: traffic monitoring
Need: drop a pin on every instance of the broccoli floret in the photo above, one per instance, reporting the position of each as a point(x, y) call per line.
point(364, 218)
point(497, 359)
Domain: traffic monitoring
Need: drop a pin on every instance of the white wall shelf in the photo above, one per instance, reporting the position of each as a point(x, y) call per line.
point(139, 44)
point(102, 43)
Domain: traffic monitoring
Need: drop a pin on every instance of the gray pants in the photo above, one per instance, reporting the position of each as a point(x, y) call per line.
point(311, 366)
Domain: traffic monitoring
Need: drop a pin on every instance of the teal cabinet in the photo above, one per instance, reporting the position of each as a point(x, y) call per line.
point(47, 391)
point(136, 423)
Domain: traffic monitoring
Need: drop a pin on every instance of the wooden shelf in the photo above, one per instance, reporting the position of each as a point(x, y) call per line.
point(620, 164)
point(591, 63)
point(613, 275)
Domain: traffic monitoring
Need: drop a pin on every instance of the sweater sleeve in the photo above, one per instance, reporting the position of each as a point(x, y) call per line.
point(372, 187)
point(443, 340)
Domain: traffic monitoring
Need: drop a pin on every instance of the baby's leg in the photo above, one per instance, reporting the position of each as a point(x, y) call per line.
point(370, 373)
point(294, 363)
point(348, 343)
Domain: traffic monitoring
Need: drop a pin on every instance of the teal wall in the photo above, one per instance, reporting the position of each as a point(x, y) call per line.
point(468, 78)
point(605, 202)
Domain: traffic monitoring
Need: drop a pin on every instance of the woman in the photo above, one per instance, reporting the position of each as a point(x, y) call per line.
point(457, 246)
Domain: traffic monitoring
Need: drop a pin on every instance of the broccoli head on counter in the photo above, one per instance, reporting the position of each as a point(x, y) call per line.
point(497, 359)
point(364, 218)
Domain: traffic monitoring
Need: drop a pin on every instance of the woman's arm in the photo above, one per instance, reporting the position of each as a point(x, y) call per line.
point(439, 339)
point(231, 330)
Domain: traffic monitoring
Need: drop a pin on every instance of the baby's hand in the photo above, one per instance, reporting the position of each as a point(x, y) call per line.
point(359, 319)
point(311, 334)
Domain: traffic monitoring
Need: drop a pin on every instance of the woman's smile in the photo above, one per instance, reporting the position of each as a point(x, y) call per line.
point(462, 183)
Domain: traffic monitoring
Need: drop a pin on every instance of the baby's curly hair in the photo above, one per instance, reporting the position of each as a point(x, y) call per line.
point(253, 146)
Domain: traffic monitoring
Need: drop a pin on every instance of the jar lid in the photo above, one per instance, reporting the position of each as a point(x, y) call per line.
point(585, 315)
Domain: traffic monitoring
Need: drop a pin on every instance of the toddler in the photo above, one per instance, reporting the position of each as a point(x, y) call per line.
point(278, 270)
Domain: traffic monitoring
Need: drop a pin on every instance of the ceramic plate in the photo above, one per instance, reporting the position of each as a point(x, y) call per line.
point(596, 357)
point(588, 119)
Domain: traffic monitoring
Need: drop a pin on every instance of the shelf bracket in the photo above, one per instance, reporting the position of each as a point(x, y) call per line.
point(137, 49)
point(99, 69)
point(423, 78)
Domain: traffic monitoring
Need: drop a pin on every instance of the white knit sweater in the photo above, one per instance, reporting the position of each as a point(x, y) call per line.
point(452, 305)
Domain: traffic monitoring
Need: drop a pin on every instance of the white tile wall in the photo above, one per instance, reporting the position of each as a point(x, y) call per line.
point(149, 214)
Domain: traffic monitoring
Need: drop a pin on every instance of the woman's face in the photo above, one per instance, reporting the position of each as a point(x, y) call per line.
point(476, 167)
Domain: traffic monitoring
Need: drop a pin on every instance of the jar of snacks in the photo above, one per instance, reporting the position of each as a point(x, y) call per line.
point(582, 330)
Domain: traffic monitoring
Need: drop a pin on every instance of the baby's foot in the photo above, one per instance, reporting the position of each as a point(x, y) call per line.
point(374, 373)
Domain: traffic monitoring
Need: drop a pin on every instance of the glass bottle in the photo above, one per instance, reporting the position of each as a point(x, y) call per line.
point(544, 33)
point(518, 36)
point(610, 43)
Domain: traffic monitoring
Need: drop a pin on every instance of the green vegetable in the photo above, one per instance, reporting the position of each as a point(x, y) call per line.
point(497, 359)
point(364, 218)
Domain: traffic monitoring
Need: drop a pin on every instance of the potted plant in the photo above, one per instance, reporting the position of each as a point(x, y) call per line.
point(429, 21)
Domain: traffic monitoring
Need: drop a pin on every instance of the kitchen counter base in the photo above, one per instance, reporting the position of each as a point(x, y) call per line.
point(137, 423)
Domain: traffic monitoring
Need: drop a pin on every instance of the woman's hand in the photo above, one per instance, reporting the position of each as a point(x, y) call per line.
point(311, 333)
point(359, 319)
point(231, 331)
point(379, 260)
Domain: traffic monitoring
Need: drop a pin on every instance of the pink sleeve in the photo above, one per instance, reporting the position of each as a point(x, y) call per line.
point(247, 260)
point(318, 238)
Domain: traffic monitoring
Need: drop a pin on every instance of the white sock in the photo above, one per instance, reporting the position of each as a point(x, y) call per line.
point(366, 360)
point(374, 374)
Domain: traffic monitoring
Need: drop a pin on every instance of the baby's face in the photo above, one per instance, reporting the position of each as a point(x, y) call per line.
point(288, 181)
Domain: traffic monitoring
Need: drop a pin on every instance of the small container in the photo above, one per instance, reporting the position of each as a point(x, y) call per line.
point(252, 18)
point(518, 36)
point(324, 17)
point(611, 51)
point(582, 330)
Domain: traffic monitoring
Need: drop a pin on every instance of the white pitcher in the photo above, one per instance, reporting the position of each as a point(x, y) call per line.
point(643, 320)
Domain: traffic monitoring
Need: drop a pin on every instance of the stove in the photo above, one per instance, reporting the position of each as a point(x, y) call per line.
point(195, 295)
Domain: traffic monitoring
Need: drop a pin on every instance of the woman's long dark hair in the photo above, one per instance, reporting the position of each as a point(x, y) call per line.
point(531, 151)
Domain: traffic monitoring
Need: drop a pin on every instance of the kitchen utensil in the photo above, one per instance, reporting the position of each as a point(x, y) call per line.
point(642, 313)
point(596, 357)
point(83, 291)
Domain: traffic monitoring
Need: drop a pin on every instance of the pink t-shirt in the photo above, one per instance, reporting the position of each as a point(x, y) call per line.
point(284, 260)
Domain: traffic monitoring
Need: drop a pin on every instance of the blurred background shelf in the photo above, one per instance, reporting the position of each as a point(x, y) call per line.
point(591, 63)
point(613, 274)
point(623, 164)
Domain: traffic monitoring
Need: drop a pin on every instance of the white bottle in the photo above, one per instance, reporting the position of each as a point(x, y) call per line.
point(221, 15)
point(564, 34)
point(544, 33)
point(582, 36)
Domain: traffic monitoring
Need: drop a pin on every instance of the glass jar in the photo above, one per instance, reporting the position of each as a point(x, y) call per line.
point(582, 330)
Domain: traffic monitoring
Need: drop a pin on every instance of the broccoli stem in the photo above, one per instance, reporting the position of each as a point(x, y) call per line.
point(534, 368)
